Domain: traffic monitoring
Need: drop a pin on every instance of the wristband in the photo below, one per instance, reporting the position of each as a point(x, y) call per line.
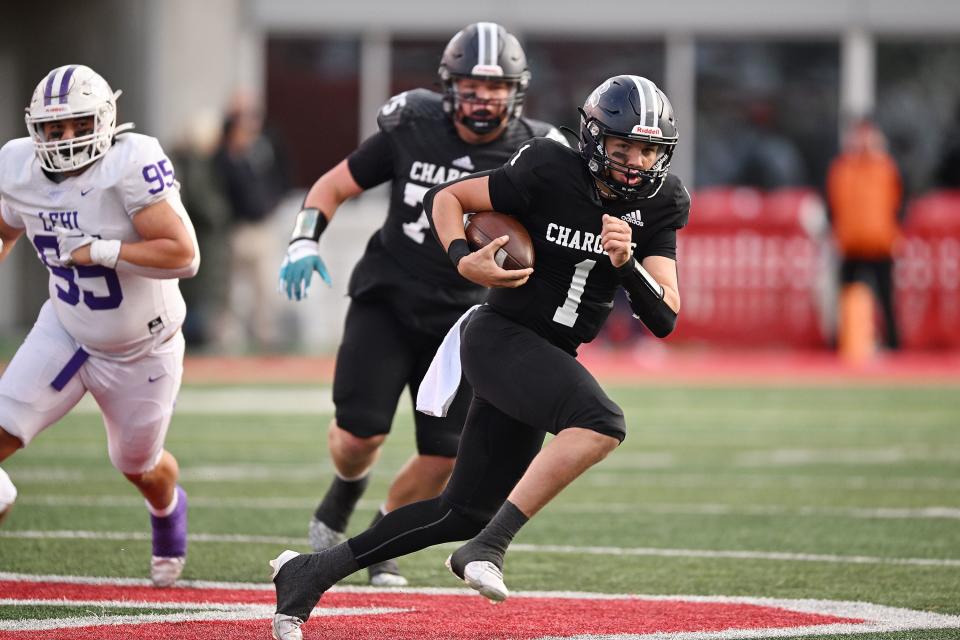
point(457, 250)
point(310, 225)
point(105, 253)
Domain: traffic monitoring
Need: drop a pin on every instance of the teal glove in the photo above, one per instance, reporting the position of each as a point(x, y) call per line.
point(296, 272)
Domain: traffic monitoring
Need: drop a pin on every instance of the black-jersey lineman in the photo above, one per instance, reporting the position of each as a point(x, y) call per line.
point(600, 219)
point(404, 292)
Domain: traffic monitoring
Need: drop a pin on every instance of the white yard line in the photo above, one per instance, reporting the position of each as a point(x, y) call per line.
point(695, 508)
point(533, 548)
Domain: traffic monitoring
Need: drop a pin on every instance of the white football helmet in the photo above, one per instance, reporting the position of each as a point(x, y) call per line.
point(73, 91)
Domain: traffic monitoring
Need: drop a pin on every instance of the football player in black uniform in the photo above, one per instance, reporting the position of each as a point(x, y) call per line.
point(600, 219)
point(404, 292)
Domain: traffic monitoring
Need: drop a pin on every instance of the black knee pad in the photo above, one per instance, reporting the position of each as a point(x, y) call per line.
point(363, 423)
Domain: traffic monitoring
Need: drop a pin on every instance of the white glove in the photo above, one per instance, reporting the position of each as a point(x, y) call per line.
point(102, 252)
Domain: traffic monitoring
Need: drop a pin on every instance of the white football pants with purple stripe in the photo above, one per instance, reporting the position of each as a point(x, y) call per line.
point(136, 398)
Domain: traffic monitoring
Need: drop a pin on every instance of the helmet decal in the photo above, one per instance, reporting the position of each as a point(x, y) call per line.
point(488, 46)
point(65, 74)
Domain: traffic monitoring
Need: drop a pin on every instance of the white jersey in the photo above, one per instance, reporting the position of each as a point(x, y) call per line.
point(118, 315)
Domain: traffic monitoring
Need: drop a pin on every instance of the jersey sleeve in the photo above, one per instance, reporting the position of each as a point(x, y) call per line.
point(514, 185)
point(147, 175)
point(12, 219)
point(9, 217)
point(664, 241)
point(372, 162)
point(682, 203)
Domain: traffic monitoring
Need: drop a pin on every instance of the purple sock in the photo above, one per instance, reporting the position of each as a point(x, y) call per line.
point(170, 532)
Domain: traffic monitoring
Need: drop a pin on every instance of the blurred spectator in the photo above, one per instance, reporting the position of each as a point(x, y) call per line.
point(769, 160)
point(204, 196)
point(253, 167)
point(947, 174)
point(865, 195)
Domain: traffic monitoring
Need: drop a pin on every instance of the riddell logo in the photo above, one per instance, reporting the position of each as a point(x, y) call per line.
point(647, 131)
point(487, 70)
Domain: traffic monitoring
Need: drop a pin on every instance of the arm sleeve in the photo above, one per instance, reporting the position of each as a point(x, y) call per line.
point(372, 162)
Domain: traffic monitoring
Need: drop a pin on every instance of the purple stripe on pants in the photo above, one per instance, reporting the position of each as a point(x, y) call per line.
point(65, 84)
point(48, 90)
point(70, 369)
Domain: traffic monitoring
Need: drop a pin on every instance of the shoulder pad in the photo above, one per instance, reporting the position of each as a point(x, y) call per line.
point(541, 129)
point(15, 162)
point(680, 197)
point(547, 159)
point(416, 104)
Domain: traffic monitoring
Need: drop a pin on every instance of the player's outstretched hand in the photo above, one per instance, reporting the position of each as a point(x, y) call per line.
point(481, 267)
point(296, 272)
point(616, 238)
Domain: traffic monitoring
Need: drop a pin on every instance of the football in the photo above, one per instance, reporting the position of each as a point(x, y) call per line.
point(483, 227)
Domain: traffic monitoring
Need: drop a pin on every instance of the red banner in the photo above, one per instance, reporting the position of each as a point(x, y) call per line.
point(754, 268)
point(927, 273)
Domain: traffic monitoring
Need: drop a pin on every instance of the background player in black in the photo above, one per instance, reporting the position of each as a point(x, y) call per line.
point(604, 218)
point(404, 292)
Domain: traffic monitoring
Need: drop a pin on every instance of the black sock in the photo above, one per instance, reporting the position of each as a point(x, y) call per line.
point(491, 543)
point(377, 517)
point(411, 528)
point(339, 502)
point(303, 579)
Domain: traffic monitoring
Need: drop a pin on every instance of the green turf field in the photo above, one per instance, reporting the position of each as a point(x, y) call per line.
point(846, 493)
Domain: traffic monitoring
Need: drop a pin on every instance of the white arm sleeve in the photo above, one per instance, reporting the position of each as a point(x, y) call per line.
point(187, 271)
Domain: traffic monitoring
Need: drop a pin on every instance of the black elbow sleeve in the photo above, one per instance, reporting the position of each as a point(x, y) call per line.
point(646, 299)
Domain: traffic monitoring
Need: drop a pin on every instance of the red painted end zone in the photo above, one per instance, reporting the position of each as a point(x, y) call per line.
point(424, 616)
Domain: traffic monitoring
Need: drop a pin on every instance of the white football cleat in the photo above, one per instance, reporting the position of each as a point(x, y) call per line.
point(386, 574)
point(286, 627)
point(165, 571)
point(323, 537)
point(277, 563)
point(485, 577)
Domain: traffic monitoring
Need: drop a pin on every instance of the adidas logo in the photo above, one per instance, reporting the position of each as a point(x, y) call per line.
point(463, 163)
point(633, 218)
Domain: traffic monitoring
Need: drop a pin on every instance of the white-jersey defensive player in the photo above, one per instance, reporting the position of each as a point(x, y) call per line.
point(101, 207)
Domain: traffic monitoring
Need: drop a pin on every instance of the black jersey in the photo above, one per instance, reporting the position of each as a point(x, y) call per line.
point(548, 188)
point(417, 148)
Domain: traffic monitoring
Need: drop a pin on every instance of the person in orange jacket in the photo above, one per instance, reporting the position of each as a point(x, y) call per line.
point(865, 195)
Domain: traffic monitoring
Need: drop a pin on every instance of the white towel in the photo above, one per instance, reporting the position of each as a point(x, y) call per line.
point(439, 385)
point(8, 492)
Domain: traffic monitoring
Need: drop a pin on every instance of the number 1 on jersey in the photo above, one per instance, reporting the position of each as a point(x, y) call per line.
point(567, 314)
